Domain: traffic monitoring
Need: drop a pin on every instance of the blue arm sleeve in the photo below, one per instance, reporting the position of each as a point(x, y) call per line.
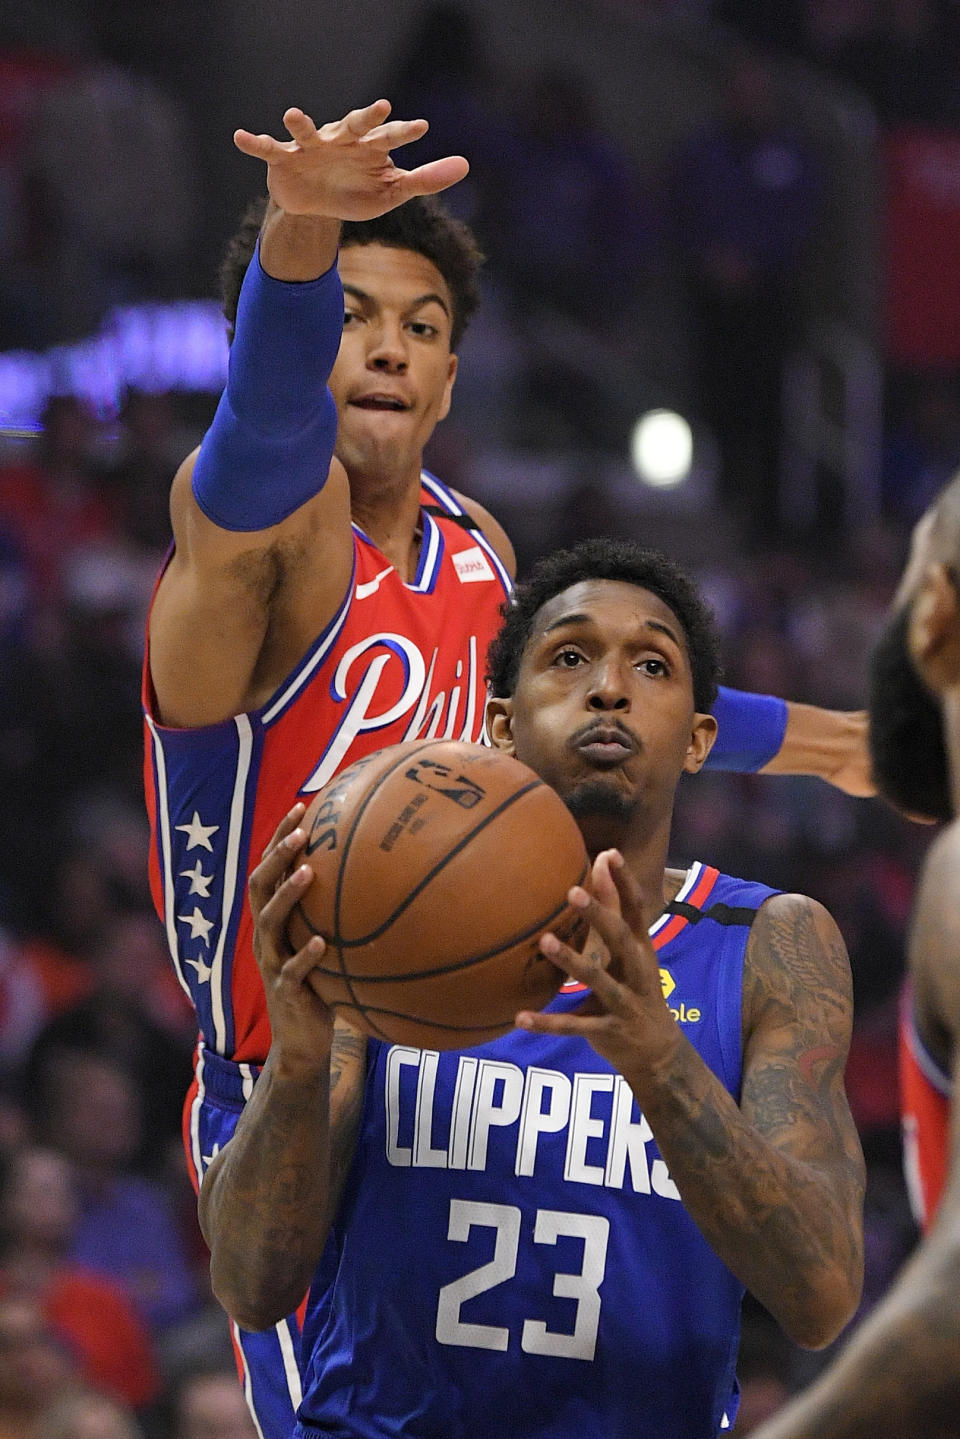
point(270, 445)
point(750, 730)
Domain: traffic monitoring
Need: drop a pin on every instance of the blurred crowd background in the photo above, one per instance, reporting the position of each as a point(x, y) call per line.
point(721, 313)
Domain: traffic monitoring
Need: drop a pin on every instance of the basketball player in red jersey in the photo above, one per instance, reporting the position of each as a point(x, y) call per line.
point(899, 1375)
point(316, 607)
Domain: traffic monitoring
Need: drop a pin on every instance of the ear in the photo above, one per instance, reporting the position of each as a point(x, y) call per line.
point(933, 634)
point(499, 718)
point(702, 736)
point(448, 391)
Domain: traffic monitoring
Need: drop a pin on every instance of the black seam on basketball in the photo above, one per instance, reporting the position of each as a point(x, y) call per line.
point(406, 975)
point(337, 939)
point(424, 1023)
point(432, 874)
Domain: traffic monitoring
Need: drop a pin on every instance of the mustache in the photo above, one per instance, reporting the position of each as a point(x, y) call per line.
point(596, 727)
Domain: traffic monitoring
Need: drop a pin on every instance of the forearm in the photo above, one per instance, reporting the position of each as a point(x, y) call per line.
point(265, 1201)
point(269, 447)
point(899, 1373)
point(773, 1219)
point(830, 744)
point(297, 247)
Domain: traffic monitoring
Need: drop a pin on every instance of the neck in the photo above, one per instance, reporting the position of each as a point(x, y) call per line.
point(390, 515)
point(645, 856)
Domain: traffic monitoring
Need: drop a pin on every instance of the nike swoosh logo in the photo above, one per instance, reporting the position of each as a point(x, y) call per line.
point(371, 586)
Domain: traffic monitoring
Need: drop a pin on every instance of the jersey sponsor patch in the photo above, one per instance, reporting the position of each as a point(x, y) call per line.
point(472, 565)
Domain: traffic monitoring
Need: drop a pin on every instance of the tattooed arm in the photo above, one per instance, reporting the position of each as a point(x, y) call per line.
point(776, 1184)
point(898, 1377)
point(268, 1198)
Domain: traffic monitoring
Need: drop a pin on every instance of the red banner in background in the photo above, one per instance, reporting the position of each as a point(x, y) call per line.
point(922, 221)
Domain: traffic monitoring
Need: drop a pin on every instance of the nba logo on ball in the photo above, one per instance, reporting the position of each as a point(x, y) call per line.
point(438, 865)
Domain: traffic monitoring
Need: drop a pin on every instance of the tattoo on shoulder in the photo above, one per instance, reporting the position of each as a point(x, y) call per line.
point(796, 962)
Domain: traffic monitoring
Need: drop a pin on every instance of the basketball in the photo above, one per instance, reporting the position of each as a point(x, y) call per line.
point(438, 865)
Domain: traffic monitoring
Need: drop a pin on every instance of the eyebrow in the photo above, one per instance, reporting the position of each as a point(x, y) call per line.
point(580, 619)
point(416, 304)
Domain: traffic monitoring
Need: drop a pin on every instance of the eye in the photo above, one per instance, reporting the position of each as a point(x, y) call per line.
point(350, 317)
point(652, 665)
point(422, 329)
point(568, 658)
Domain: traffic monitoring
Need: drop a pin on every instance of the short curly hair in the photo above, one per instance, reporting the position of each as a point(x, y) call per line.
point(421, 224)
point(608, 559)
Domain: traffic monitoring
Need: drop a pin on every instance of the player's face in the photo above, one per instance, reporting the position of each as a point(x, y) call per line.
point(603, 709)
point(394, 374)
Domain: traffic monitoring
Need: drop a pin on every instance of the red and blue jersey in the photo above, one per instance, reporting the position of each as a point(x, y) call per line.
point(510, 1255)
point(398, 661)
point(925, 1091)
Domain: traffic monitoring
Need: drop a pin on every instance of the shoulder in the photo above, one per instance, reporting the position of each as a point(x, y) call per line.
point(796, 958)
point(493, 530)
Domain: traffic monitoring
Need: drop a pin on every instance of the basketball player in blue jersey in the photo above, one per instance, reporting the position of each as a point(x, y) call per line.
point(550, 1234)
point(310, 547)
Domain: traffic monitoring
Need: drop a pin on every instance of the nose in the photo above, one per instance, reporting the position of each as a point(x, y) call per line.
point(608, 689)
point(388, 349)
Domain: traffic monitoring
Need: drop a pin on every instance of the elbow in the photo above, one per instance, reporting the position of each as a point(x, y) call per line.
point(824, 1312)
point(253, 1312)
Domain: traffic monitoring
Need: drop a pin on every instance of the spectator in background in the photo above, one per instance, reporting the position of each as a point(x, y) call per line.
point(91, 1314)
point(87, 1108)
point(50, 499)
point(744, 193)
point(85, 1414)
point(569, 226)
point(114, 207)
point(902, 54)
point(35, 1367)
point(922, 446)
point(763, 1370)
point(210, 1405)
point(445, 74)
point(137, 1016)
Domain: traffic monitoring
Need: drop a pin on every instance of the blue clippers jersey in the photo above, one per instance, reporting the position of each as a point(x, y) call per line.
point(511, 1259)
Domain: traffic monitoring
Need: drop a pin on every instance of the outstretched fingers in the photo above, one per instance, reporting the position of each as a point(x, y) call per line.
point(362, 121)
point(430, 179)
point(261, 147)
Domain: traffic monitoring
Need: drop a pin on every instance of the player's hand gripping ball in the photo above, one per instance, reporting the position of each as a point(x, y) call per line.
point(438, 866)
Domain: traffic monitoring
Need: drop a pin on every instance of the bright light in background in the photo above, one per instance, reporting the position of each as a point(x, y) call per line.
point(661, 449)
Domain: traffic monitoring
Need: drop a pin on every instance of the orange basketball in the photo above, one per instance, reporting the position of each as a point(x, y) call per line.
point(438, 866)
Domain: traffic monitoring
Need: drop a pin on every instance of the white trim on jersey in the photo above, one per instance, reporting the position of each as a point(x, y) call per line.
point(428, 568)
point(230, 863)
point(247, 1384)
point(163, 814)
point(693, 874)
point(291, 1369)
point(439, 490)
point(925, 1061)
point(246, 1075)
point(323, 648)
point(195, 1109)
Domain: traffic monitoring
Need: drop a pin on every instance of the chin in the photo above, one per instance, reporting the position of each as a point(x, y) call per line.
point(596, 799)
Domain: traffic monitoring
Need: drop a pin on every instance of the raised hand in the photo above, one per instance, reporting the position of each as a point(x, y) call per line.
point(625, 1018)
point(343, 170)
point(300, 1022)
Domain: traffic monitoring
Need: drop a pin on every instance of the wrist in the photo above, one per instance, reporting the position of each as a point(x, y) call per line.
point(654, 1071)
point(293, 1067)
point(296, 247)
